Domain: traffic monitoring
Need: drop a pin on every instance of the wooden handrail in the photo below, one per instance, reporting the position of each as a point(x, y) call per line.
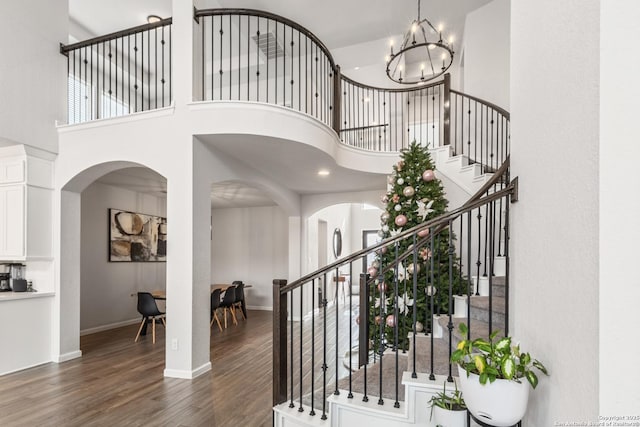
point(262, 14)
point(389, 89)
point(65, 49)
point(500, 110)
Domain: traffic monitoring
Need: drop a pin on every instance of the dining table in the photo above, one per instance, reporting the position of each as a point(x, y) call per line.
point(161, 294)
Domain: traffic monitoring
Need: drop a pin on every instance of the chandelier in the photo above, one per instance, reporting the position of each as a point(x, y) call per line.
point(419, 60)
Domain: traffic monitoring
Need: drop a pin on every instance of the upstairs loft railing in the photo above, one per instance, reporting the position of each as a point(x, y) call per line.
point(344, 345)
point(251, 55)
point(119, 73)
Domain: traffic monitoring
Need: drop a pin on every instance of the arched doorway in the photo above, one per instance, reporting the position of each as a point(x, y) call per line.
point(95, 291)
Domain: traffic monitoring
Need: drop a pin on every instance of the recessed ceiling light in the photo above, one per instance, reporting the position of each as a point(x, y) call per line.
point(152, 19)
point(356, 68)
point(323, 172)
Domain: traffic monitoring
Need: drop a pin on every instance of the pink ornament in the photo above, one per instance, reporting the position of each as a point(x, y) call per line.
point(425, 253)
point(423, 233)
point(377, 320)
point(408, 191)
point(382, 287)
point(401, 220)
point(373, 272)
point(384, 217)
point(358, 320)
point(391, 321)
point(384, 250)
point(428, 175)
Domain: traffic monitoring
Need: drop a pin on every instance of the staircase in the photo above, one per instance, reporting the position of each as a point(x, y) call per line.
point(459, 169)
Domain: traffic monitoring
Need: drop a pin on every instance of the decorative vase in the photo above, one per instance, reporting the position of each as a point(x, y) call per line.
point(447, 418)
point(501, 404)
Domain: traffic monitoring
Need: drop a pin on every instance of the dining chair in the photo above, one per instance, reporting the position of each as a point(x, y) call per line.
point(215, 304)
point(239, 300)
point(227, 304)
point(149, 309)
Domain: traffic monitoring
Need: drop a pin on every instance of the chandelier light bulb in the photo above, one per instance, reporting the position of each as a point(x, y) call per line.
point(414, 27)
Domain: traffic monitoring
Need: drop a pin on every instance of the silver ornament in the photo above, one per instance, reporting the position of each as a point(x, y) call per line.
point(397, 208)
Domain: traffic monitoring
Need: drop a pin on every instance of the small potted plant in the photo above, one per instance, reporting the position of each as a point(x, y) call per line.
point(448, 409)
point(491, 378)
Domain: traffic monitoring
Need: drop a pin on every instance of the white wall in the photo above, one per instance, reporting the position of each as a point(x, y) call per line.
point(554, 240)
point(33, 72)
point(250, 244)
point(486, 53)
point(619, 205)
point(106, 287)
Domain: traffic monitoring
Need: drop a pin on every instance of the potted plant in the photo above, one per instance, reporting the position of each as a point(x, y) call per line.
point(448, 409)
point(491, 378)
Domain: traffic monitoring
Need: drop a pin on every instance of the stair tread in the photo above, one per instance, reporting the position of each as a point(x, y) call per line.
point(498, 304)
point(495, 280)
point(478, 328)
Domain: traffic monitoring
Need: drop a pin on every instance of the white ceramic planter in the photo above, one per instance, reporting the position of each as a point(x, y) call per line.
point(502, 403)
point(446, 418)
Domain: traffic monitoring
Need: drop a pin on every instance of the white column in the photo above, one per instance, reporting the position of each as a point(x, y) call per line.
point(66, 309)
point(619, 207)
point(188, 212)
point(554, 236)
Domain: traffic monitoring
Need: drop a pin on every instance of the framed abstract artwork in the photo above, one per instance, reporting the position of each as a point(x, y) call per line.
point(136, 237)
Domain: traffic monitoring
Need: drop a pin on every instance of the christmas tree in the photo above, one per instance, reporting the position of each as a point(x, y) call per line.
point(414, 195)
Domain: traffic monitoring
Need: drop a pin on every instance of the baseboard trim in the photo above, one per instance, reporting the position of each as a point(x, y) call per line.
point(33, 365)
point(109, 326)
point(59, 358)
point(187, 375)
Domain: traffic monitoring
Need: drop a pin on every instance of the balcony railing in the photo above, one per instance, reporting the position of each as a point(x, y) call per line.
point(119, 73)
point(249, 55)
point(256, 56)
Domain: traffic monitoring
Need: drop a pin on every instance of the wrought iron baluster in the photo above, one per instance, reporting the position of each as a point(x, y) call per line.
point(324, 348)
point(300, 408)
point(313, 345)
point(432, 288)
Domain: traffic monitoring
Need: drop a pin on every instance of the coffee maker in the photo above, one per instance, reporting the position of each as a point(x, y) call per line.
point(18, 281)
point(5, 276)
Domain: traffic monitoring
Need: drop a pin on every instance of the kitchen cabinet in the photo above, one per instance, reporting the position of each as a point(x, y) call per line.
point(26, 204)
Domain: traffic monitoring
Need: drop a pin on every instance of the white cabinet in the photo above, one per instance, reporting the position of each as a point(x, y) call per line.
point(12, 217)
point(26, 197)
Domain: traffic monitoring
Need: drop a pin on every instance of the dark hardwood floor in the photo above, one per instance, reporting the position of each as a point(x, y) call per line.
point(120, 383)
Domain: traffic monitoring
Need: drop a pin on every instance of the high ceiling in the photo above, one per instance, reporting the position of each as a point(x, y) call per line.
point(337, 23)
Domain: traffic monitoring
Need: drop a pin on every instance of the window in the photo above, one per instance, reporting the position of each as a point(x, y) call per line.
point(79, 100)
